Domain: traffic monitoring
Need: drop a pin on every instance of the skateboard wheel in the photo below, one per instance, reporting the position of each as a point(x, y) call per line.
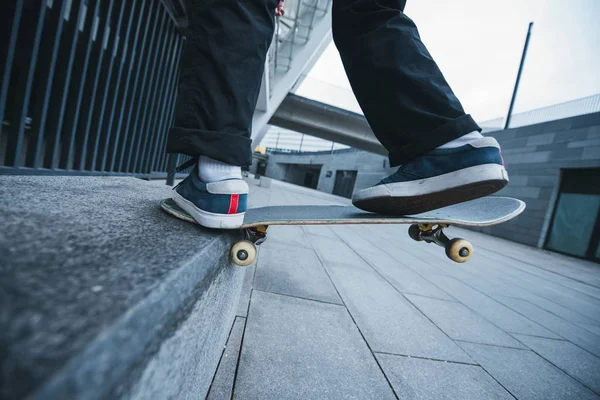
point(415, 232)
point(459, 250)
point(243, 253)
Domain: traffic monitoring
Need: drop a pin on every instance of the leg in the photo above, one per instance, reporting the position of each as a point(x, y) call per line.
point(220, 77)
point(412, 111)
point(221, 73)
point(400, 88)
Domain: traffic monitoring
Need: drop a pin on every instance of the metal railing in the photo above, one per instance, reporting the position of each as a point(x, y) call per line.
point(294, 29)
point(573, 108)
point(87, 86)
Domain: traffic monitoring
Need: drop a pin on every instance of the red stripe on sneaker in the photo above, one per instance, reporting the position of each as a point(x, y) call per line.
point(234, 200)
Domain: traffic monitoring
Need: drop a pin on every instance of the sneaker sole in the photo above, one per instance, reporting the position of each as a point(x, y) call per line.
point(206, 218)
point(416, 197)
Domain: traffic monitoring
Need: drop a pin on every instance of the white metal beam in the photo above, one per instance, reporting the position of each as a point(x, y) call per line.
point(281, 83)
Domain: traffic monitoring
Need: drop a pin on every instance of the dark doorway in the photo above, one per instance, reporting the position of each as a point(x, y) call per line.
point(575, 228)
point(306, 175)
point(311, 179)
point(344, 183)
point(261, 167)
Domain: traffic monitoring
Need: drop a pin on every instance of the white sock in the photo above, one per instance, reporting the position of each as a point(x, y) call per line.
point(211, 170)
point(463, 140)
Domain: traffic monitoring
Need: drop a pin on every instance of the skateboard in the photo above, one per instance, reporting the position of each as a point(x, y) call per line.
point(427, 227)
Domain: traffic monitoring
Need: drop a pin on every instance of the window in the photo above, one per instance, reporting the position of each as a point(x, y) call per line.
point(575, 228)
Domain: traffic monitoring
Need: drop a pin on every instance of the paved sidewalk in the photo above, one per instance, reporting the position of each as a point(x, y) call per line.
point(364, 312)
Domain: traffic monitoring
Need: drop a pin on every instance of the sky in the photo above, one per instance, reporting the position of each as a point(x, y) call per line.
point(478, 44)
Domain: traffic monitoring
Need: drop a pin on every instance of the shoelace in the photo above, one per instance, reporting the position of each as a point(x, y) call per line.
point(189, 163)
point(186, 165)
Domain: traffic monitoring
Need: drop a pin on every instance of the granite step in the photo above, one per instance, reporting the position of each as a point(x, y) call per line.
point(103, 295)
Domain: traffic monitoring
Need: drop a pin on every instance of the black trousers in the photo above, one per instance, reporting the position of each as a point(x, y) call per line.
point(403, 94)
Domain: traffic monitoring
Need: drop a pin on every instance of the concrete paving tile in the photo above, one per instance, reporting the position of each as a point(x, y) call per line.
point(291, 235)
point(566, 329)
point(545, 300)
point(301, 349)
point(495, 312)
point(358, 243)
point(246, 289)
point(579, 287)
point(525, 374)
point(592, 328)
point(570, 298)
point(403, 249)
point(489, 277)
point(579, 270)
point(500, 284)
point(294, 271)
point(336, 251)
point(277, 198)
point(403, 278)
point(416, 378)
point(222, 385)
point(460, 323)
point(258, 197)
point(319, 230)
point(389, 322)
point(578, 363)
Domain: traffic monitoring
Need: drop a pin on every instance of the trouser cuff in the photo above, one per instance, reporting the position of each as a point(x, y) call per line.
point(224, 147)
point(431, 140)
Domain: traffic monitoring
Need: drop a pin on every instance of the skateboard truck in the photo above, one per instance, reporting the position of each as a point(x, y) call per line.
point(243, 253)
point(457, 249)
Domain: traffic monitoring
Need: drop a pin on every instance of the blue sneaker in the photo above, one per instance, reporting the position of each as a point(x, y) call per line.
point(438, 179)
point(219, 205)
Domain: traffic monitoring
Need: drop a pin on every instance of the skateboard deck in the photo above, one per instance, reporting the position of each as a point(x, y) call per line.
point(426, 227)
point(485, 211)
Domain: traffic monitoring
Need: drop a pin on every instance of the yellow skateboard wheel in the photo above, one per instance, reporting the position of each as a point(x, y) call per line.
point(459, 250)
point(243, 253)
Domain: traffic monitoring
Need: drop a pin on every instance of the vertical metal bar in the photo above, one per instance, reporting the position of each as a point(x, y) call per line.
point(163, 111)
point(65, 91)
point(100, 116)
point(12, 45)
point(159, 108)
point(135, 57)
point(30, 74)
point(92, 104)
point(48, 133)
point(514, 94)
point(143, 134)
point(135, 101)
point(168, 106)
point(149, 132)
point(140, 101)
point(117, 99)
point(94, 20)
point(172, 101)
point(171, 115)
point(37, 159)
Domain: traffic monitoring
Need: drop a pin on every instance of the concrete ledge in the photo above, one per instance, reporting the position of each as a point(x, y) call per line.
point(102, 295)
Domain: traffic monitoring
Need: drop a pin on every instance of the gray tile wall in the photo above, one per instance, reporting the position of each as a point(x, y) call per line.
point(534, 156)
